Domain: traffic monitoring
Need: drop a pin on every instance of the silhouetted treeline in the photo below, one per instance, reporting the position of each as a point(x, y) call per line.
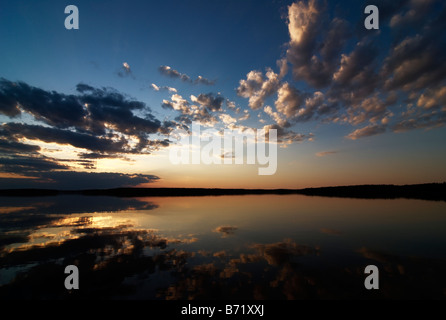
point(428, 191)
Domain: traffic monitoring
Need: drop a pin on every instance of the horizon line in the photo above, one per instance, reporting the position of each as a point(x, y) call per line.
point(425, 191)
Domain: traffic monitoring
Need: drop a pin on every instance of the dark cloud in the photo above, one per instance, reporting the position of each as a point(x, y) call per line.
point(358, 61)
point(82, 87)
point(14, 147)
point(72, 180)
point(97, 155)
point(367, 131)
point(421, 121)
point(289, 101)
point(410, 14)
point(96, 180)
point(100, 120)
point(287, 136)
point(8, 105)
point(362, 76)
point(64, 137)
point(168, 71)
point(313, 53)
point(211, 101)
point(415, 63)
point(94, 110)
point(53, 108)
point(21, 164)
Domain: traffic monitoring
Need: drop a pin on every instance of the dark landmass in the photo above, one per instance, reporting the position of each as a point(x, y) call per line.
point(428, 191)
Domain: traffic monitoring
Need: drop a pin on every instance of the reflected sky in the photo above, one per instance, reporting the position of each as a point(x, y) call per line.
point(247, 247)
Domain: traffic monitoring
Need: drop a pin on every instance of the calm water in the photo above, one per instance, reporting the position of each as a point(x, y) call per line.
point(238, 247)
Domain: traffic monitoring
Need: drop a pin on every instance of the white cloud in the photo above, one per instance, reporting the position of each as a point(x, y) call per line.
point(163, 88)
point(256, 88)
point(227, 119)
point(289, 101)
point(172, 73)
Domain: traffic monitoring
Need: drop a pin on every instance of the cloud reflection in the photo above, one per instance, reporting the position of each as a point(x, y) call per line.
point(117, 258)
point(226, 231)
point(21, 217)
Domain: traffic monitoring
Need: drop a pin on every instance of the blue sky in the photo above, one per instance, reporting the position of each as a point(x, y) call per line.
point(350, 105)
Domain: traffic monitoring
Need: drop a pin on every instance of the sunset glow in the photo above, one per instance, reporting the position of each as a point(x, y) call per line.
point(350, 105)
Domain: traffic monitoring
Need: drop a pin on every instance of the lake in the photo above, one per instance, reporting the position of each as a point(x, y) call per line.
point(277, 247)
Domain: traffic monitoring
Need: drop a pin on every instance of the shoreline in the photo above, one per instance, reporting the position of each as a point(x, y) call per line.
point(428, 191)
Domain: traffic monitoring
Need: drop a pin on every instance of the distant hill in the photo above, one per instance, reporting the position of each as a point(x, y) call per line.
point(428, 191)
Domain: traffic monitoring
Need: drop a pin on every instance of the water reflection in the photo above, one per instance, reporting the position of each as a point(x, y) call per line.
point(237, 247)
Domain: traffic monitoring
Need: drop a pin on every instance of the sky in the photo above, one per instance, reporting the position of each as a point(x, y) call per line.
point(106, 104)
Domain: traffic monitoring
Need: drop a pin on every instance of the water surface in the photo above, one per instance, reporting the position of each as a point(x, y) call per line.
point(220, 247)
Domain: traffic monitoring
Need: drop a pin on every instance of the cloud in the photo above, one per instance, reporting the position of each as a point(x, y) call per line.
point(51, 107)
point(432, 98)
point(168, 71)
point(353, 64)
point(25, 164)
point(191, 112)
point(371, 109)
point(202, 80)
point(177, 103)
point(282, 64)
point(245, 117)
point(367, 131)
point(46, 172)
point(227, 119)
point(126, 67)
point(172, 73)
point(15, 147)
point(278, 118)
point(256, 88)
point(29, 213)
point(88, 111)
point(411, 14)
point(313, 54)
point(100, 120)
point(280, 253)
point(363, 80)
point(414, 64)
point(289, 101)
point(211, 101)
point(163, 88)
point(325, 153)
point(230, 104)
point(228, 155)
point(286, 136)
point(226, 230)
point(87, 141)
point(72, 180)
point(421, 121)
point(125, 70)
